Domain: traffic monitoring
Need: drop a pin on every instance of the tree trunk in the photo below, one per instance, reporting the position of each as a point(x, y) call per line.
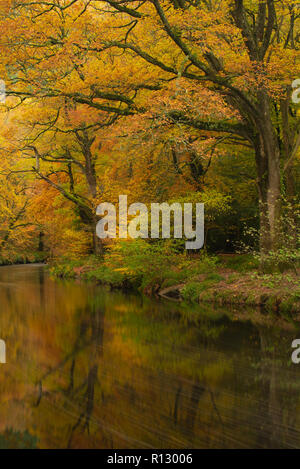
point(288, 142)
point(90, 222)
point(269, 204)
point(41, 242)
point(269, 180)
point(96, 242)
point(291, 213)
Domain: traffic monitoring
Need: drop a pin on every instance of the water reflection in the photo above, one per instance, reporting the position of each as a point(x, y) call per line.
point(95, 369)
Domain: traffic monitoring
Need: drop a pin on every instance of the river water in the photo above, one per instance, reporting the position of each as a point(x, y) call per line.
point(90, 368)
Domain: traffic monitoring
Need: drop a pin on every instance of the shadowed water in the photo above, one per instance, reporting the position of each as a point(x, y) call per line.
point(89, 368)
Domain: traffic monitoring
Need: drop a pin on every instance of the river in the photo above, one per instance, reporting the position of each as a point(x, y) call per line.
point(90, 368)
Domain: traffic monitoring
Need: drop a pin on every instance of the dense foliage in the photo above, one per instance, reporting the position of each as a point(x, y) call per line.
point(160, 100)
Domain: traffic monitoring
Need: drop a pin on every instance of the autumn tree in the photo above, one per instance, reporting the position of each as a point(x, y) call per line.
point(218, 73)
point(247, 54)
point(17, 228)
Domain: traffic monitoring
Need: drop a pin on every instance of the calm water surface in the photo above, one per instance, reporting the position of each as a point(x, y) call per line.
point(89, 368)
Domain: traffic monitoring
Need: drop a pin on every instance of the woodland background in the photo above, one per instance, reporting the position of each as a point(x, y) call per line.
point(160, 100)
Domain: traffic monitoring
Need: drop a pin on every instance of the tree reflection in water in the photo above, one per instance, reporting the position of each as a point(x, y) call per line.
point(89, 368)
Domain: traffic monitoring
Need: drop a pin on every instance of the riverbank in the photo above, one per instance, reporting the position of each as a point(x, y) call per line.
point(277, 293)
point(221, 280)
point(36, 258)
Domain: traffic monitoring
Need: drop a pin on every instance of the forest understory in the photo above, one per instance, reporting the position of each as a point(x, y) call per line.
point(232, 280)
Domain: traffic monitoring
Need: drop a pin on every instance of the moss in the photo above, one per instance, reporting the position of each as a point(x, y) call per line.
point(251, 299)
point(241, 263)
point(270, 304)
point(191, 292)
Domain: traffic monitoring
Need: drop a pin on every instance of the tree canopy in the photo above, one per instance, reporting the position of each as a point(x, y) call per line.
point(160, 100)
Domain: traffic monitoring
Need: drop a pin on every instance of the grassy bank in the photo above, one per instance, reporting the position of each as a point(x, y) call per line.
point(31, 258)
point(161, 270)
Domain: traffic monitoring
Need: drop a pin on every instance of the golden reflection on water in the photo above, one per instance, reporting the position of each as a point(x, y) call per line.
point(89, 368)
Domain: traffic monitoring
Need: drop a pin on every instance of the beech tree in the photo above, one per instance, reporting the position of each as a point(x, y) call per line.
point(247, 53)
point(208, 75)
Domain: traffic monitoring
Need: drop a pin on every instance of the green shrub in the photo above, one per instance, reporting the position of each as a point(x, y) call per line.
point(139, 264)
point(191, 292)
point(241, 263)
